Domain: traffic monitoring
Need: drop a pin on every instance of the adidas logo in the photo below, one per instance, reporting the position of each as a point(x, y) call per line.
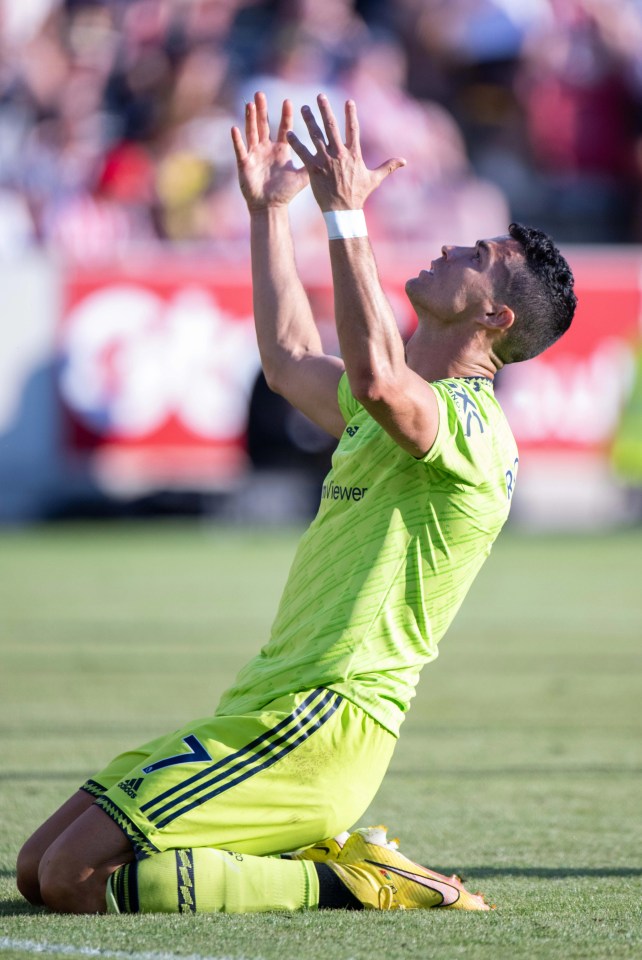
point(131, 787)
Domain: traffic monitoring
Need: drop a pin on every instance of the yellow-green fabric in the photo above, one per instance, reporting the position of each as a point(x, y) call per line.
point(385, 565)
point(627, 445)
point(304, 767)
point(212, 881)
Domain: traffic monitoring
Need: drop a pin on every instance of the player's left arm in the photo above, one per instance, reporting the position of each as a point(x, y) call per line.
point(371, 346)
point(292, 355)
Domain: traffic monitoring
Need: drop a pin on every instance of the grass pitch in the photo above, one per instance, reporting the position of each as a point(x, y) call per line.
point(519, 765)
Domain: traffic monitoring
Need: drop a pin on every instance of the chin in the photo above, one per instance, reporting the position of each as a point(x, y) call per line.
point(413, 290)
point(410, 285)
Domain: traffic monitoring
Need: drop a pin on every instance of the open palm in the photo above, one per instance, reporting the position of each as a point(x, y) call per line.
point(267, 175)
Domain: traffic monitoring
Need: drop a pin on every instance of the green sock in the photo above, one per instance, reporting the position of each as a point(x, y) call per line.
point(205, 880)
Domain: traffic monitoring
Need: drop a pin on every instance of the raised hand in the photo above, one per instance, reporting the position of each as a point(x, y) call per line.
point(338, 175)
point(267, 175)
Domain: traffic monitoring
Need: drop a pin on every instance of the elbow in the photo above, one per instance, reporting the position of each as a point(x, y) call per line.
point(272, 380)
point(275, 376)
point(370, 388)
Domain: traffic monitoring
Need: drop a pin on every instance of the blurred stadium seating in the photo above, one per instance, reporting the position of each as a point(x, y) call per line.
point(128, 360)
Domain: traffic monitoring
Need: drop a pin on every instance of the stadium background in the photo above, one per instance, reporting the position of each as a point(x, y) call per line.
point(128, 368)
point(151, 491)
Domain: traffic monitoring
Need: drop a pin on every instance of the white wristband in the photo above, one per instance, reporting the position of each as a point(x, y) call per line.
point(345, 224)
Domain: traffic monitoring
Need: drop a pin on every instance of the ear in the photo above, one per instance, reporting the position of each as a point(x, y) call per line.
point(500, 319)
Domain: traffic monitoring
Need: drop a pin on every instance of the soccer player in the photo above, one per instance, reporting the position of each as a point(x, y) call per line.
point(420, 485)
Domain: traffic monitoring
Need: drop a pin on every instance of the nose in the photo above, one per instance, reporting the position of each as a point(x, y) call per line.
point(446, 249)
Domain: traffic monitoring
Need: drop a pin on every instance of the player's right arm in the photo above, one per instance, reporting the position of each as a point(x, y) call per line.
point(292, 355)
point(396, 396)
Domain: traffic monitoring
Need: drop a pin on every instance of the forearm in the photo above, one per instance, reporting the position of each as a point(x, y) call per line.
point(371, 346)
point(373, 352)
point(285, 326)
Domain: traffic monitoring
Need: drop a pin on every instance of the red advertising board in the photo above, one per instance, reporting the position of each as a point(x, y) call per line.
point(158, 358)
point(157, 361)
point(571, 397)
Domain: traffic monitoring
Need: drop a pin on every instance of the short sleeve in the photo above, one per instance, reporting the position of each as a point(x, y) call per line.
point(347, 404)
point(463, 445)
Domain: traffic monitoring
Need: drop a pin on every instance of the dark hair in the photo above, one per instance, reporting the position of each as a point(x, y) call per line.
point(540, 293)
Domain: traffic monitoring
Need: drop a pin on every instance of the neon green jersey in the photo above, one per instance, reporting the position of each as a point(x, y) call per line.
point(386, 563)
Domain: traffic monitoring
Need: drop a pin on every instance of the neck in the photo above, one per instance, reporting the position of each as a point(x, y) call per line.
point(437, 353)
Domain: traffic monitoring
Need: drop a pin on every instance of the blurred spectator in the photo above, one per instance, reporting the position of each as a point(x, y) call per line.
point(115, 116)
point(449, 40)
point(110, 213)
point(581, 108)
point(437, 198)
point(298, 67)
point(465, 54)
point(17, 232)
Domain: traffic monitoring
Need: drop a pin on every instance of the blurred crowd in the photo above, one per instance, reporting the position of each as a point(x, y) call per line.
point(115, 115)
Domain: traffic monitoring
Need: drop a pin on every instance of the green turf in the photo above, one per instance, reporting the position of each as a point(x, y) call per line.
point(519, 765)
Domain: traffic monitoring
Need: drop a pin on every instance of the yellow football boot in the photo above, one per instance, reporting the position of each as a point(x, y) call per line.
point(323, 850)
point(381, 878)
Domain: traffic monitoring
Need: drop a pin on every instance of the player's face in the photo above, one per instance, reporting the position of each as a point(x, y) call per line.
point(464, 281)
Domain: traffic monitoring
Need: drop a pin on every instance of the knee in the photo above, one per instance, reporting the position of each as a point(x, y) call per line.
point(58, 886)
point(67, 886)
point(27, 867)
point(42, 880)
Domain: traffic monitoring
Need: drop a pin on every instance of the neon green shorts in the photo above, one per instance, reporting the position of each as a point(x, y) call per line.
point(304, 768)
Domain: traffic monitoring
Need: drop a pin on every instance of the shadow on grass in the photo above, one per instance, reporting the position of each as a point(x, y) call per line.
point(554, 873)
point(18, 908)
